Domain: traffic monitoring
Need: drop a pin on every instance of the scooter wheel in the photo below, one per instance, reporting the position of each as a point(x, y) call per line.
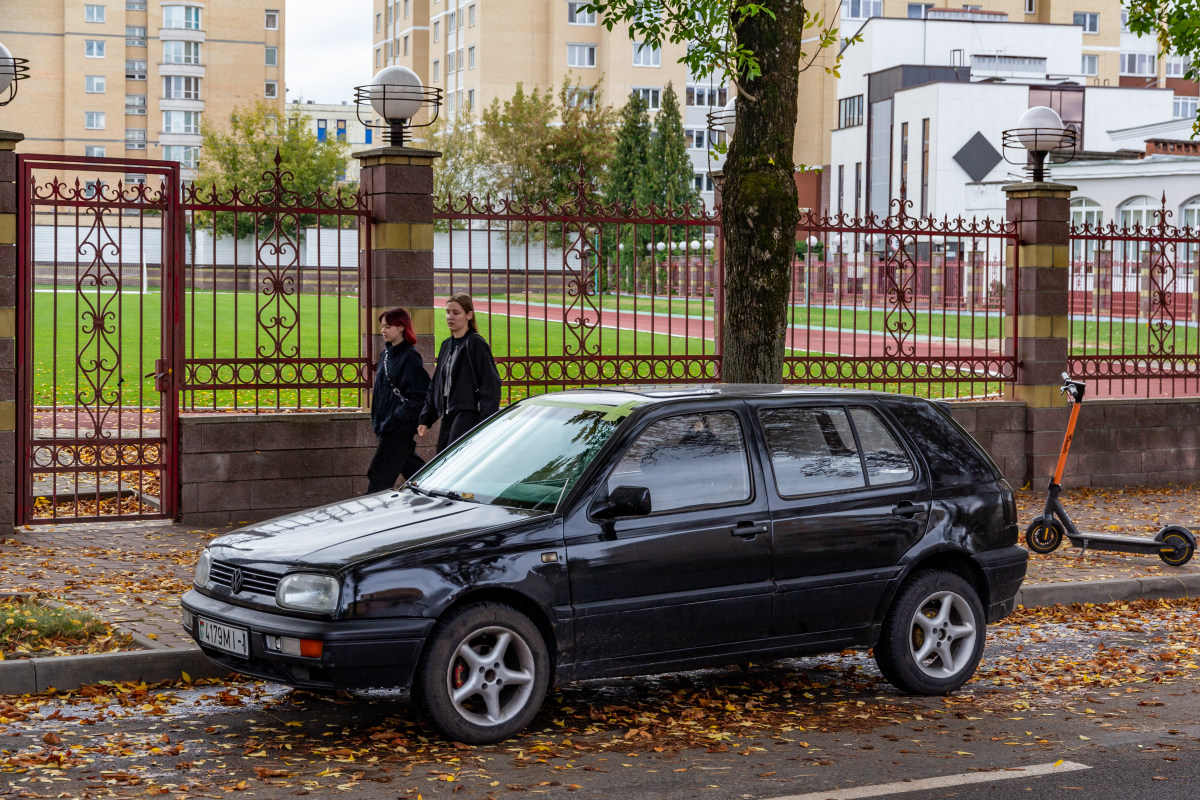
point(1179, 545)
point(1043, 537)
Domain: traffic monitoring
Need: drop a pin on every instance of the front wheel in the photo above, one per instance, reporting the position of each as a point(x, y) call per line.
point(1179, 545)
point(1043, 537)
point(483, 675)
point(933, 635)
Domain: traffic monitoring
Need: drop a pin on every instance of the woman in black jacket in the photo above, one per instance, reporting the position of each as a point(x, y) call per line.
point(466, 386)
point(401, 385)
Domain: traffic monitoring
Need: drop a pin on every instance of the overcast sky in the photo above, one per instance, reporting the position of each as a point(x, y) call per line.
point(327, 50)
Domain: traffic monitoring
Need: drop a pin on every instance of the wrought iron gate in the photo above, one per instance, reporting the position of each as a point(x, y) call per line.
point(99, 310)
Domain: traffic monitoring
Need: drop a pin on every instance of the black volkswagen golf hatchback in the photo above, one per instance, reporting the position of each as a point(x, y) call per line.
point(596, 533)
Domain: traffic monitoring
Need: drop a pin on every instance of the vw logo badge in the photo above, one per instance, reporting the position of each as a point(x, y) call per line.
point(235, 582)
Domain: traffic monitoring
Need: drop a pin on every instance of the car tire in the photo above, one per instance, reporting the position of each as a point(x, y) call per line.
point(483, 674)
point(933, 634)
point(1043, 538)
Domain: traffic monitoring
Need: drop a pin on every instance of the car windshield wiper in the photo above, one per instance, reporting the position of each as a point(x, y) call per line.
point(412, 485)
point(446, 493)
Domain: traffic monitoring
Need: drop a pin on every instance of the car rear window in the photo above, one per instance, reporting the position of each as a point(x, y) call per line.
point(953, 458)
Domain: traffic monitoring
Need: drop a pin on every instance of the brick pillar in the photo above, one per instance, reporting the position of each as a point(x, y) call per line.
point(8, 328)
point(398, 182)
point(1042, 212)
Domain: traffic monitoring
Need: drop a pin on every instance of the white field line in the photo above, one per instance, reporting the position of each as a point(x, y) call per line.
point(962, 779)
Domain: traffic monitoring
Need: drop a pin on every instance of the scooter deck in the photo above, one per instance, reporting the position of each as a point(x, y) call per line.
point(1118, 543)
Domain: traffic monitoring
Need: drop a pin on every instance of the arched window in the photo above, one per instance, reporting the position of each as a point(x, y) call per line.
point(1189, 217)
point(1135, 212)
point(1085, 211)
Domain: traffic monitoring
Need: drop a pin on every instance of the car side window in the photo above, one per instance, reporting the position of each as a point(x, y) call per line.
point(812, 450)
point(885, 459)
point(688, 460)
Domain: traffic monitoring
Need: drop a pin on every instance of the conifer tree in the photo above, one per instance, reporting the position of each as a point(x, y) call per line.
point(672, 176)
point(629, 166)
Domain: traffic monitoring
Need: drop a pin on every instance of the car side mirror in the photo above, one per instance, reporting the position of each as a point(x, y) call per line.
point(625, 501)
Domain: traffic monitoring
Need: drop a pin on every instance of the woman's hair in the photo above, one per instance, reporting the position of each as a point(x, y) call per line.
point(464, 302)
point(400, 318)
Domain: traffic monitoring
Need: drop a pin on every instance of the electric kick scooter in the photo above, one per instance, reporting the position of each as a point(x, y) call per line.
point(1174, 544)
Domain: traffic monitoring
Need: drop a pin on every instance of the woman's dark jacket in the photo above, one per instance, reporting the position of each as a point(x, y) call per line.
point(474, 385)
point(401, 385)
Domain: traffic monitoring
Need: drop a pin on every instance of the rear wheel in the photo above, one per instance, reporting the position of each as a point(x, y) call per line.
point(933, 634)
point(483, 675)
point(1179, 545)
point(1043, 537)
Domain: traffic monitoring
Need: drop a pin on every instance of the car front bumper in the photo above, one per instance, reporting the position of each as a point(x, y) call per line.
point(1004, 570)
point(356, 654)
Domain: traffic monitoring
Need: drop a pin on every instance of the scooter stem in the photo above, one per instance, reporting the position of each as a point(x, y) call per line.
point(1066, 446)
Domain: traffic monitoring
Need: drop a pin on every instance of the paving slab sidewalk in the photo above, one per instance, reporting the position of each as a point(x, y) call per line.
point(133, 574)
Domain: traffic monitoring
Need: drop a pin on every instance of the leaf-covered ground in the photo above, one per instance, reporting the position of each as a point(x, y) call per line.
point(32, 627)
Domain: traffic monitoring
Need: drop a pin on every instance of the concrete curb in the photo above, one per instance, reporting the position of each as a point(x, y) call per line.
point(67, 673)
point(1160, 587)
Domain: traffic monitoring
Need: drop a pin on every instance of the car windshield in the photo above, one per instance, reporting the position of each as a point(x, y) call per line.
point(525, 458)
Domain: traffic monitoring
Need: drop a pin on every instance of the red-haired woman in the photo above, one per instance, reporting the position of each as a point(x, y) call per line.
point(401, 385)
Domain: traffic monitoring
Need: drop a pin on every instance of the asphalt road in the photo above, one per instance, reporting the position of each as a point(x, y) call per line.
point(1095, 707)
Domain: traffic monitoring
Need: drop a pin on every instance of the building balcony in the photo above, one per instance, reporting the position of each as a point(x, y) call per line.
point(180, 35)
point(187, 70)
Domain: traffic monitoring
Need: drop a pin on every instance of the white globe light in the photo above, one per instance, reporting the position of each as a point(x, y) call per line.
point(8, 68)
point(813, 241)
point(1040, 128)
point(661, 246)
point(729, 117)
point(649, 247)
point(695, 245)
point(621, 246)
point(708, 244)
point(396, 94)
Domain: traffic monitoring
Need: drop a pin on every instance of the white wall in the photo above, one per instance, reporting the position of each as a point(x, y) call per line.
point(1110, 108)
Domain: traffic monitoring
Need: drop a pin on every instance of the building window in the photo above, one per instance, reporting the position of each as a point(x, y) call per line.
point(580, 97)
point(646, 56)
point(93, 120)
point(706, 96)
point(1088, 21)
point(94, 151)
point(850, 111)
point(917, 10)
point(651, 97)
point(581, 55)
point(407, 8)
point(470, 58)
point(1030, 6)
point(135, 139)
point(377, 56)
point(841, 190)
point(272, 57)
point(925, 167)
point(186, 17)
point(437, 70)
point(1137, 64)
point(1177, 66)
point(135, 70)
point(450, 57)
point(1184, 107)
point(406, 46)
point(93, 84)
point(93, 48)
point(187, 155)
point(367, 139)
point(322, 129)
point(135, 36)
point(857, 187)
point(93, 13)
point(181, 52)
point(181, 122)
point(470, 97)
point(178, 87)
point(272, 20)
point(387, 50)
point(903, 158)
point(701, 138)
point(703, 182)
point(460, 59)
point(135, 105)
point(437, 31)
point(577, 16)
point(471, 15)
point(1091, 65)
point(271, 89)
point(378, 22)
point(135, 5)
point(861, 9)
point(341, 130)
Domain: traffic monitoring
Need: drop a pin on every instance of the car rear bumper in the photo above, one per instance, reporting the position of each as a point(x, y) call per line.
point(1004, 571)
point(356, 654)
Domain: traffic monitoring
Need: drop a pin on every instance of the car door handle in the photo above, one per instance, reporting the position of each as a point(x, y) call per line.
point(747, 530)
point(906, 509)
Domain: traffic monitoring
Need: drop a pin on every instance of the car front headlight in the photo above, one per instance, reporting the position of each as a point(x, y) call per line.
point(203, 568)
point(306, 592)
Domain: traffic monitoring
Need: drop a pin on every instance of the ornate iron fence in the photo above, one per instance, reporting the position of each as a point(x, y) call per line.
point(1135, 307)
point(272, 307)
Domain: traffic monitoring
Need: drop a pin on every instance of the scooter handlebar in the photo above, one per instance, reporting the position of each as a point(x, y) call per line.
point(1073, 389)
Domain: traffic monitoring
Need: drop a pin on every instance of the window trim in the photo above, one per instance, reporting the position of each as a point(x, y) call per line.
point(88, 8)
point(587, 47)
point(267, 14)
point(92, 80)
point(97, 45)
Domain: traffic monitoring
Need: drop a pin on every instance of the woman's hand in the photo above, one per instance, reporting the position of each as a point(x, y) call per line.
point(422, 430)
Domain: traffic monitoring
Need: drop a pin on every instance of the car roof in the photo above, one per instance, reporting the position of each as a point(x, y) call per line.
point(631, 396)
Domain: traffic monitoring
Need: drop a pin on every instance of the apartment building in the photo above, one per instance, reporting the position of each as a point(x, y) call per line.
point(341, 122)
point(134, 78)
point(477, 51)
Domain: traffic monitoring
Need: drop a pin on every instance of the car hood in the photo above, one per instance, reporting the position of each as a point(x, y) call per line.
point(362, 529)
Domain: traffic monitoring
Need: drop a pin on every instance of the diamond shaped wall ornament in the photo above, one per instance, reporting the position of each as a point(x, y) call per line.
point(977, 157)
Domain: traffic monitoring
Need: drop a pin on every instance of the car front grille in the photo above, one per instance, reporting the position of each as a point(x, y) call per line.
point(251, 581)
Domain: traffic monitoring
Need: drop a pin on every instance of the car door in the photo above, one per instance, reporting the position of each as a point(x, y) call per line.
point(849, 499)
point(695, 573)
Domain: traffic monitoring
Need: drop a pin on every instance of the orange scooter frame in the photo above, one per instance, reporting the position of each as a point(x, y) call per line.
point(1174, 544)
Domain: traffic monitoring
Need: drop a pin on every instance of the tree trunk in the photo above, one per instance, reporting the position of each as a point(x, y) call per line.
point(760, 210)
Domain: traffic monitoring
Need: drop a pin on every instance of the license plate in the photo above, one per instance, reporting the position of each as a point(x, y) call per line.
point(224, 637)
